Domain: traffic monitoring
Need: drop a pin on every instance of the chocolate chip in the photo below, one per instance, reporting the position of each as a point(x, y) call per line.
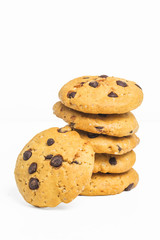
point(99, 128)
point(102, 115)
point(112, 94)
point(82, 83)
point(75, 162)
point(138, 86)
point(50, 141)
point(93, 84)
point(71, 94)
point(131, 132)
point(61, 130)
point(92, 135)
point(122, 84)
point(33, 183)
point(48, 156)
point(56, 161)
point(27, 155)
point(119, 148)
point(113, 161)
point(130, 186)
point(103, 76)
point(32, 168)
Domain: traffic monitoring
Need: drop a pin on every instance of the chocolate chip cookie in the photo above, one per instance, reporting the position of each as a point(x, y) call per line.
point(106, 163)
point(54, 167)
point(101, 95)
point(110, 145)
point(110, 184)
point(118, 125)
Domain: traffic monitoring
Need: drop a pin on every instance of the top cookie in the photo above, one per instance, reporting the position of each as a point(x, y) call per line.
point(49, 170)
point(101, 95)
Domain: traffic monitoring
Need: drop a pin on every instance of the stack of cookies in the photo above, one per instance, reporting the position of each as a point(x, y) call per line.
point(93, 155)
point(98, 108)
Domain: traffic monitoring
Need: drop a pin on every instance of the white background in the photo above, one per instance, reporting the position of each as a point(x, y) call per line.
point(44, 44)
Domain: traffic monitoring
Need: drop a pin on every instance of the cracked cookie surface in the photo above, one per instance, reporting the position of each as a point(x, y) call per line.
point(101, 95)
point(109, 184)
point(110, 145)
point(113, 125)
point(54, 167)
point(107, 163)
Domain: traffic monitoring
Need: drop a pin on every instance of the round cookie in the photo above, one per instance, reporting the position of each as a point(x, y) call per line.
point(106, 163)
point(49, 170)
point(113, 125)
point(101, 95)
point(109, 184)
point(110, 145)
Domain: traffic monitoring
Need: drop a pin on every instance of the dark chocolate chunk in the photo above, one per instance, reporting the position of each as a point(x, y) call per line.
point(71, 94)
point(121, 83)
point(112, 94)
point(113, 161)
point(82, 83)
point(48, 156)
point(33, 183)
point(50, 141)
point(56, 161)
point(130, 186)
point(92, 135)
point(131, 132)
point(32, 168)
point(103, 76)
point(75, 162)
point(99, 128)
point(138, 86)
point(27, 155)
point(119, 148)
point(93, 84)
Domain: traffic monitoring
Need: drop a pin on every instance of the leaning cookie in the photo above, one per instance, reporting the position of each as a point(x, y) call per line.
point(101, 95)
point(109, 184)
point(110, 145)
point(49, 170)
point(118, 125)
point(107, 163)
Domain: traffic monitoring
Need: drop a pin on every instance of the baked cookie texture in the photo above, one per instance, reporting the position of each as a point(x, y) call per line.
point(118, 125)
point(106, 163)
point(101, 95)
point(54, 167)
point(110, 184)
point(110, 145)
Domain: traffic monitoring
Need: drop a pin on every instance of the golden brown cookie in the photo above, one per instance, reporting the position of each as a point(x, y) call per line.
point(54, 167)
point(106, 163)
point(110, 145)
point(118, 125)
point(109, 184)
point(101, 95)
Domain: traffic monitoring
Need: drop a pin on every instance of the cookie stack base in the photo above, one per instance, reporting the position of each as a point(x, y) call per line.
point(109, 184)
